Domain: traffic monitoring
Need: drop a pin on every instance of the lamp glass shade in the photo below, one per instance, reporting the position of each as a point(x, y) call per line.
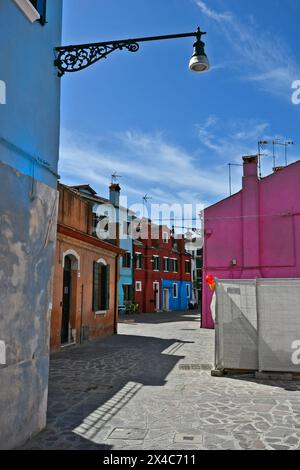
point(199, 63)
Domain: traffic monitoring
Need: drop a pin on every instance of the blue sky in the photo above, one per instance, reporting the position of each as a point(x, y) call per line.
point(169, 132)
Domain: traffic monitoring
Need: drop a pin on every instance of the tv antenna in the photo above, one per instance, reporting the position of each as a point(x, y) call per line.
point(230, 177)
point(115, 177)
point(274, 142)
point(146, 198)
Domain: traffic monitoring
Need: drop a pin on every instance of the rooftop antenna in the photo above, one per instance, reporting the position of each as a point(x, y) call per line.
point(285, 144)
point(229, 175)
point(260, 154)
point(275, 142)
point(115, 177)
point(146, 198)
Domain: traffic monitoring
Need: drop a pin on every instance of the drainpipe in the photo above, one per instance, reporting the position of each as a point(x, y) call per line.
point(116, 294)
point(81, 313)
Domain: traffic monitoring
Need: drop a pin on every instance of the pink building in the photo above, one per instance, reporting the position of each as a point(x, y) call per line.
point(256, 232)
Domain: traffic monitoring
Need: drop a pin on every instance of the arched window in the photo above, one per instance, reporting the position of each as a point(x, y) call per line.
point(75, 258)
point(101, 284)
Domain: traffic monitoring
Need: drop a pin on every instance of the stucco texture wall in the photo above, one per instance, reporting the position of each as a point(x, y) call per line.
point(30, 118)
point(81, 311)
point(255, 233)
point(27, 243)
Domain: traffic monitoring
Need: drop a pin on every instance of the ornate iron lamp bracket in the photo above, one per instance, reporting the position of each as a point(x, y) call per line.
point(75, 58)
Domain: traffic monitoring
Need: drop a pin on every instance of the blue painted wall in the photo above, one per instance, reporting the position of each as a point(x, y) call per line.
point(181, 302)
point(29, 128)
point(126, 274)
point(30, 118)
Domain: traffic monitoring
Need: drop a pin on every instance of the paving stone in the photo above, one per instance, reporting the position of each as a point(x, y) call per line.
point(129, 391)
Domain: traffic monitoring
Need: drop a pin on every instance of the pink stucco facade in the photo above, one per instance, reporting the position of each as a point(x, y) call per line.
point(256, 232)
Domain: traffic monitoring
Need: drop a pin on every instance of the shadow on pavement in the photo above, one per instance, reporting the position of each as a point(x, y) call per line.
point(165, 317)
point(90, 384)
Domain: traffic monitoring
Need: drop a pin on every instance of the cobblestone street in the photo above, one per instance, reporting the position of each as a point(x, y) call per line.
point(150, 388)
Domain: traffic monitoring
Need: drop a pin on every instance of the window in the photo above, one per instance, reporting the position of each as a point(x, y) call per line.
point(174, 265)
point(101, 285)
point(127, 292)
point(156, 263)
point(175, 291)
point(188, 267)
point(188, 291)
point(165, 237)
point(138, 286)
point(166, 264)
point(127, 260)
point(40, 6)
point(34, 10)
point(138, 264)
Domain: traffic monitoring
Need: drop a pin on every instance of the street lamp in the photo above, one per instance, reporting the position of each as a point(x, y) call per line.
point(199, 61)
point(78, 57)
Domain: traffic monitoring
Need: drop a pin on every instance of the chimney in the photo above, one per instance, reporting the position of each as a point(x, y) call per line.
point(250, 165)
point(250, 218)
point(278, 168)
point(114, 194)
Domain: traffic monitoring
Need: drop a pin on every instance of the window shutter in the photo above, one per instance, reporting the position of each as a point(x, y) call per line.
point(95, 286)
point(107, 286)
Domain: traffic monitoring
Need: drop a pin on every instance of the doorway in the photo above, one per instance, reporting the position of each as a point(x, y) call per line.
point(156, 296)
point(166, 300)
point(66, 303)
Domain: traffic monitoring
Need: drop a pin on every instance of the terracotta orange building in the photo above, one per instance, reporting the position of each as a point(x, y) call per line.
point(86, 272)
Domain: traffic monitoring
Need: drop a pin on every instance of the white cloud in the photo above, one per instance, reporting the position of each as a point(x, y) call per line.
point(231, 139)
point(147, 163)
point(262, 57)
point(212, 13)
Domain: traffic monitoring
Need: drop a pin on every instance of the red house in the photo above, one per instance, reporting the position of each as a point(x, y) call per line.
point(162, 270)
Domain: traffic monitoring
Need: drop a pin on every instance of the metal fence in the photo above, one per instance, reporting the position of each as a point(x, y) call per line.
point(258, 324)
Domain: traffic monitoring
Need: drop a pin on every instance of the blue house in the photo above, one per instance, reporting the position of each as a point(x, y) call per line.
point(125, 290)
point(125, 217)
point(176, 295)
point(29, 149)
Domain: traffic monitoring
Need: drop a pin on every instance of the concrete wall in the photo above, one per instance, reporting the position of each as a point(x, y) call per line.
point(27, 240)
point(256, 232)
point(81, 311)
point(29, 142)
